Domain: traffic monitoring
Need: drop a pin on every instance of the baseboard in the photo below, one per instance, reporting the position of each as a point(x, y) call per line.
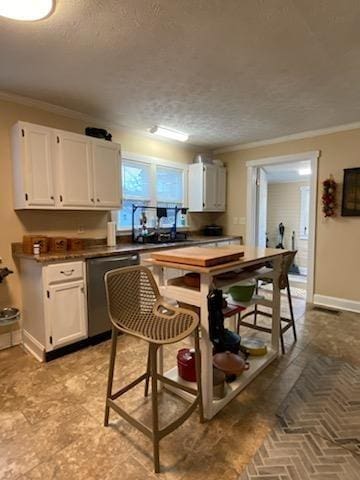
point(338, 303)
point(9, 339)
point(33, 346)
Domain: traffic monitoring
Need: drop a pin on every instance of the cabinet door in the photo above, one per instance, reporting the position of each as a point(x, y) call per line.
point(106, 174)
point(221, 189)
point(67, 320)
point(38, 172)
point(75, 187)
point(210, 187)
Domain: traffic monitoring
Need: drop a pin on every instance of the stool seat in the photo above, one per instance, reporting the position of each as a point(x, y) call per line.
point(165, 324)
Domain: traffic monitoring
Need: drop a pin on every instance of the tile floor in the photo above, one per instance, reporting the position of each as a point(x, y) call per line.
point(51, 414)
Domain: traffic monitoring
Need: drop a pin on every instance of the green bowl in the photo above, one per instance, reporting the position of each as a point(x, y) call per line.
point(243, 292)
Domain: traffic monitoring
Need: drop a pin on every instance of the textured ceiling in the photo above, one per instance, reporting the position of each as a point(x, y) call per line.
point(224, 71)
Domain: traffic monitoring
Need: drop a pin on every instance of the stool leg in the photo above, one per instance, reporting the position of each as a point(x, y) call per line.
point(282, 340)
point(198, 373)
point(154, 402)
point(146, 392)
point(255, 306)
point(114, 335)
point(291, 310)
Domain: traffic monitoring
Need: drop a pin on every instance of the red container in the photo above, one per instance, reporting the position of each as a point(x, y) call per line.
point(186, 364)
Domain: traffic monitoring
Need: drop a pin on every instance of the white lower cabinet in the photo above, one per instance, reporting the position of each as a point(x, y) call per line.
point(54, 305)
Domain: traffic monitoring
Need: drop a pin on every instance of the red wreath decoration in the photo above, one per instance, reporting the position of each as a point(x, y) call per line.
point(329, 197)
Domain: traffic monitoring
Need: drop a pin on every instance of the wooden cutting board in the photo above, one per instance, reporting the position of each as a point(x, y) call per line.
point(200, 256)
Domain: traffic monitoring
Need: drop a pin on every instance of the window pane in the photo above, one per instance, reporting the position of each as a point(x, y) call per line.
point(124, 215)
point(170, 219)
point(136, 180)
point(169, 184)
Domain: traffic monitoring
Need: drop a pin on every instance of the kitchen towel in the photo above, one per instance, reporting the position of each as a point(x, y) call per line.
point(111, 234)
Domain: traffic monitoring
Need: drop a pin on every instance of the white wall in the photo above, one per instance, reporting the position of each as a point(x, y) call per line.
point(284, 206)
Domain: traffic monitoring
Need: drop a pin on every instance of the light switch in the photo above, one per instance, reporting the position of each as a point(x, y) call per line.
point(242, 220)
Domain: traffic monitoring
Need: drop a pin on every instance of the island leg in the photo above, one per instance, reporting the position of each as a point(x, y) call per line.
point(206, 348)
point(276, 303)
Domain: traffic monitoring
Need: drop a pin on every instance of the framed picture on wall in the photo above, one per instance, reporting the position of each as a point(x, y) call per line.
point(351, 193)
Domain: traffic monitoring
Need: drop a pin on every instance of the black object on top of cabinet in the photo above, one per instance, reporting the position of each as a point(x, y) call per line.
point(98, 133)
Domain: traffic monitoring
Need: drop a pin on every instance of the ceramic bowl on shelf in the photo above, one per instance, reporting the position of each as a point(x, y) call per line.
point(192, 280)
point(230, 363)
point(242, 292)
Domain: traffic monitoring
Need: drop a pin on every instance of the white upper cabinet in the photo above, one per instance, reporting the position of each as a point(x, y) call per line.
point(207, 188)
point(221, 188)
point(106, 168)
point(54, 169)
point(33, 166)
point(73, 162)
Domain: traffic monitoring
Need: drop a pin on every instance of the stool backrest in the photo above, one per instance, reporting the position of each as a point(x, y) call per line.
point(131, 293)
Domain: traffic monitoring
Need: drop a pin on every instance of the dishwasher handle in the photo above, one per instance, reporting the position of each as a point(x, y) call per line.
point(127, 259)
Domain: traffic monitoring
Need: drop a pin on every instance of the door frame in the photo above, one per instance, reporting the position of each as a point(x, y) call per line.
point(251, 203)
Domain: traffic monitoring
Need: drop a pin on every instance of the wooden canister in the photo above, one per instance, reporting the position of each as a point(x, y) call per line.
point(58, 244)
point(75, 244)
point(30, 240)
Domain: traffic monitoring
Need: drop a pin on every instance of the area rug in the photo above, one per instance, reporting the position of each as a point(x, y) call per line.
point(317, 436)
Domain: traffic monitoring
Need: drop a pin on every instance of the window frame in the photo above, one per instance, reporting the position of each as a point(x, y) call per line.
point(153, 162)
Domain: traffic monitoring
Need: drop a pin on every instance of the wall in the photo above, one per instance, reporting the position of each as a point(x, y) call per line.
point(15, 224)
point(284, 205)
point(337, 258)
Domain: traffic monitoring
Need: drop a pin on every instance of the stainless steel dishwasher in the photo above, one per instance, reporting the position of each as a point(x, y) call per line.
point(99, 325)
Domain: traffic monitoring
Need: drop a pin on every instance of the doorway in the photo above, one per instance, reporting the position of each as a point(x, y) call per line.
point(281, 212)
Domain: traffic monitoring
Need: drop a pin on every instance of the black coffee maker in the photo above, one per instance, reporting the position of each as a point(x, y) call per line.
point(224, 340)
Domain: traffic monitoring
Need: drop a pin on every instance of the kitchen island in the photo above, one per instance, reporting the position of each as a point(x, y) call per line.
point(249, 266)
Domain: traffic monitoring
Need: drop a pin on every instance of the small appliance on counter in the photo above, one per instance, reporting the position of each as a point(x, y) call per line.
point(212, 230)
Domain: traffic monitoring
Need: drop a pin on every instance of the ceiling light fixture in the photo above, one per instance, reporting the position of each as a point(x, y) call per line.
point(169, 133)
point(26, 10)
point(304, 171)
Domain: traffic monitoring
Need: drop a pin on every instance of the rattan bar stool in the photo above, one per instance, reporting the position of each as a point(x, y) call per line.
point(288, 259)
point(135, 307)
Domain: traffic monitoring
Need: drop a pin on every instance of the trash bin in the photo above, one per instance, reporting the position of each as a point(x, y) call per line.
point(8, 317)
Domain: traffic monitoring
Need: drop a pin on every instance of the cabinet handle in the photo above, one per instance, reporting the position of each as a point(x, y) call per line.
point(67, 273)
point(60, 198)
point(92, 200)
point(52, 197)
point(98, 199)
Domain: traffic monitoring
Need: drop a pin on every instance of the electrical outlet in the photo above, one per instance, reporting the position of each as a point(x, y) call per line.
point(242, 220)
point(81, 229)
point(235, 220)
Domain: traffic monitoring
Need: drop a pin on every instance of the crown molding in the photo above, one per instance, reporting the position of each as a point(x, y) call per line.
point(287, 138)
point(69, 113)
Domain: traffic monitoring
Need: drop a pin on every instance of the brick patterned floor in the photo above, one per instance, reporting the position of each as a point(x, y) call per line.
point(318, 433)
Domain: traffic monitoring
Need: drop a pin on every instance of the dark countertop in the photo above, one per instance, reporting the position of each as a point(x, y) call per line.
point(120, 249)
